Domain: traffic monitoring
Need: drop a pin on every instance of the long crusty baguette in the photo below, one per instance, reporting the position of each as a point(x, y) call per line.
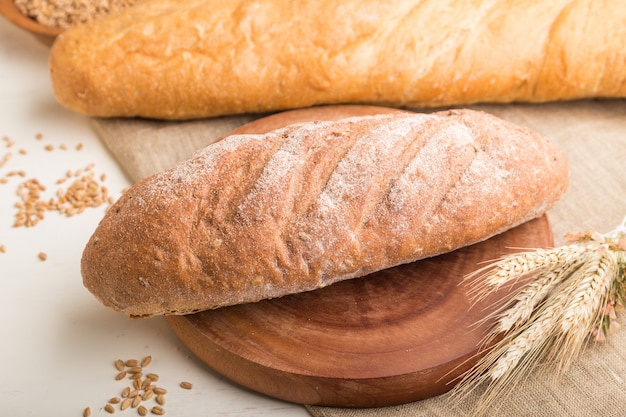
point(258, 216)
point(175, 59)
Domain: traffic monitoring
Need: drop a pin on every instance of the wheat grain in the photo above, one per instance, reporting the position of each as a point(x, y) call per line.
point(157, 410)
point(131, 362)
point(134, 370)
point(148, 394)
point(125, 404)
point(136, 401)
point(119, 365)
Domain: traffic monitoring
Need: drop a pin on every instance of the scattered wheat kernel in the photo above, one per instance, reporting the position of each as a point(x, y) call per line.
point(38, 136)
point(119, 365)
point(87, 412)
point(147, 395)
point(3, 249)
point(120, 376)
point(160, 399)
point(132, 362)
point(49, 147)
point(42, 256)
point(134, 370)
point(160, 391)
point(134, 393)
point(148, 359)
point(159, 411)
point(79, 146)
point(142, 411)
point(22, 151)
point(114, 400)
point(136, 401)
point(125, 404)
point(137, 384)
point(126, 392)
point(5, 159)
point(136, 377)
point(3, 180)
point(152, 376)
point(62, 147)
point(109, 409)
point(186, 385)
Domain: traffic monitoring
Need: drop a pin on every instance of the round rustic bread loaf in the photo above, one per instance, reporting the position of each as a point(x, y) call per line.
point(262, 215)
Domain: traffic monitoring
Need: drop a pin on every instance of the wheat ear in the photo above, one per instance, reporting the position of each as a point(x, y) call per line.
point(549, 318)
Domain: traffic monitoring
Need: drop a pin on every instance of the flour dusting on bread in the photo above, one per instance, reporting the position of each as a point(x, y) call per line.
point(302, 207)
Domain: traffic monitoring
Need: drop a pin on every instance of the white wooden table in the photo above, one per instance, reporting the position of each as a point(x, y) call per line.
point(58, 344)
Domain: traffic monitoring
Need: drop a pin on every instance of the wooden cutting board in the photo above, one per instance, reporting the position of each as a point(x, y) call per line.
point(393, 337)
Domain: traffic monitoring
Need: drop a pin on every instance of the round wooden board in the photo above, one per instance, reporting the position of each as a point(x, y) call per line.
point(396, 336)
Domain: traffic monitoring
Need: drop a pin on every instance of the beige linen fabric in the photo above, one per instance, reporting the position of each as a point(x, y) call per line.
point(593, 136)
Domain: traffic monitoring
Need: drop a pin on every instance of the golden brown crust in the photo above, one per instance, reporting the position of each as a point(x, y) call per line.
point(188, 59)
point(261, 216)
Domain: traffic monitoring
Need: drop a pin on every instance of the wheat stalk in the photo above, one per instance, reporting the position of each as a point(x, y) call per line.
point(569, 294)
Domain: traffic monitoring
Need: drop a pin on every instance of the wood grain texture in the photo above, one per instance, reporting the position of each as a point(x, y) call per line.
point(396, 336)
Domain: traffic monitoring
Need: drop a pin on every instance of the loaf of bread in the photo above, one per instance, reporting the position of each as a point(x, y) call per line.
point(257, 216)
point(173, 59)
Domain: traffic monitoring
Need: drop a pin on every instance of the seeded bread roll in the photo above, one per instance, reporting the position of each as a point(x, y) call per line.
point(173, 59)
point(258, 216)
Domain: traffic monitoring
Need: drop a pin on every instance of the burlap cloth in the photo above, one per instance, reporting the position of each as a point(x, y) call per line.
point(592, 135)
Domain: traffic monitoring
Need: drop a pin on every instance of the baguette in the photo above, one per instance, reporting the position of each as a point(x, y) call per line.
point(257, 216)
point(172, 59)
